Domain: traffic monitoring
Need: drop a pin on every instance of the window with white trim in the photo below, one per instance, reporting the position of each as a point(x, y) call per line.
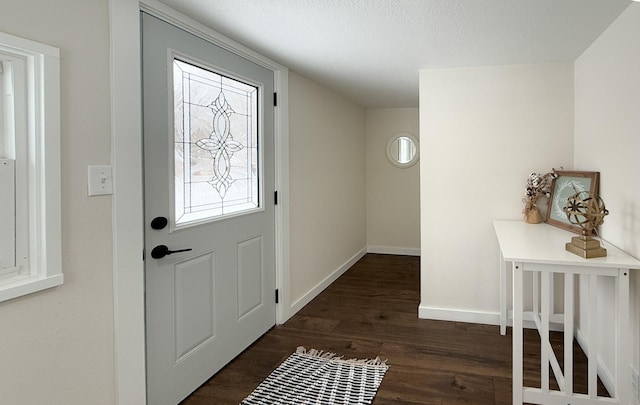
point(30, 252)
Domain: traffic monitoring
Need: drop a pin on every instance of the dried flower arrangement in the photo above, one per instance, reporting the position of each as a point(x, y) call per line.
point(538, 185)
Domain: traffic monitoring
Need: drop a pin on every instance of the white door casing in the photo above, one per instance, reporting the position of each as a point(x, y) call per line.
point(205, 305)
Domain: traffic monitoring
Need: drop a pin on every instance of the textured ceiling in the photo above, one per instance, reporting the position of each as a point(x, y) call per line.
point(371, 50)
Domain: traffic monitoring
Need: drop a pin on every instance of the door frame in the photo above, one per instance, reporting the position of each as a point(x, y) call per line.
point(127, 199)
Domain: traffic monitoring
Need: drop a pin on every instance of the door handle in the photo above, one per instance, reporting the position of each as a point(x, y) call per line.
point(161, 251)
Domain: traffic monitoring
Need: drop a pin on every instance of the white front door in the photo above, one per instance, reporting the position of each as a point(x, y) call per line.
point(209, 212)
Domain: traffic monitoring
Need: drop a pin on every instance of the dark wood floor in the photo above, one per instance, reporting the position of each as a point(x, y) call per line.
point(371, 311)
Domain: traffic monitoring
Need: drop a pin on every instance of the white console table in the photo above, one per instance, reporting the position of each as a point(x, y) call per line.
point(540, 249)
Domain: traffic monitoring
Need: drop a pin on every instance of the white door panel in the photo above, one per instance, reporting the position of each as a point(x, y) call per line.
point(194, 303)
point(250, 274)
point(209, 167)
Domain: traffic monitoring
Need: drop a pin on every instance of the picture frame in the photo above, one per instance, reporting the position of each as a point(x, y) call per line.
point(563, 187)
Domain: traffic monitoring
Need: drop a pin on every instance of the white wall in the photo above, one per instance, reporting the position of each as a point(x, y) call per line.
point(482, 131)
point(327, 186)
point(607, 139)
point(393, 194)
point(56, 346)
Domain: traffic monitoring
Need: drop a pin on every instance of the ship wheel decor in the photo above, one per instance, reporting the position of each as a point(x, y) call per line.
point(587, 211)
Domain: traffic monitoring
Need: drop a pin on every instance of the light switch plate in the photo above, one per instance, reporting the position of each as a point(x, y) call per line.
point(100, 180)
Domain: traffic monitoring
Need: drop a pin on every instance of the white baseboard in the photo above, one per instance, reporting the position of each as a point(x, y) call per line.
point(603, 372)
point(389, 250)
point(455, 315)
point(485, 318)
point(305, 299)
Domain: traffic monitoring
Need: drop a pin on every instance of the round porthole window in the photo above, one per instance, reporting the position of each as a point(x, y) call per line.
point(403, 150)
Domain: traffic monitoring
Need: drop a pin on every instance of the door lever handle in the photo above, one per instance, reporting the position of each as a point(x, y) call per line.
point(161, 251)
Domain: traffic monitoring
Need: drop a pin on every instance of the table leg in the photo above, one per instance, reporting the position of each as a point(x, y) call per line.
point(544, 332)
point(569, 321)
point(503, 295)
point(536, 292)
point(517, 333)
point(623, 389)
point(592, 351)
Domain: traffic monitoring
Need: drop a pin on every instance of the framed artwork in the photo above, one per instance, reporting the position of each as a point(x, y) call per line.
point(564, 186)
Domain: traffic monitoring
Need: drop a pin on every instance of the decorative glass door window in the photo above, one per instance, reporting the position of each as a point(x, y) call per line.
point(216, 153)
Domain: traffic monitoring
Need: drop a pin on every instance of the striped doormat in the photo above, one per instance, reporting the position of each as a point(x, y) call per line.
point(316, 377)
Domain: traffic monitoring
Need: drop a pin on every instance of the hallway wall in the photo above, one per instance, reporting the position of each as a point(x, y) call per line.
point(327, 186)
point(393, 194)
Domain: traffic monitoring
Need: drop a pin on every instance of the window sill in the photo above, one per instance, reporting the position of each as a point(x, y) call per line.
point(20, 286)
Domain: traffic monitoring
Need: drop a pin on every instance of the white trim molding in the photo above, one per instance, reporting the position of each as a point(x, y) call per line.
point(128, 221)
point(457, 315)
point(127, 211)
point(481, 317)
point(392, 250)
point(315, 291)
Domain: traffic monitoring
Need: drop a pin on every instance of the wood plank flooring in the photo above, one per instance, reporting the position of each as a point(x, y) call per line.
point(371, 311)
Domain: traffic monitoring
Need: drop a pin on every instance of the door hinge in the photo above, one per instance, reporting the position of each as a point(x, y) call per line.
point(275, 99)
point(277, 296)
point(275, 197)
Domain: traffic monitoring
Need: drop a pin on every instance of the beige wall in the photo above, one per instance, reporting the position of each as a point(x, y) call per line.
point(607, 139)
point(393, 194)
point(327, 184)
point(56, 346)
point(482, 131)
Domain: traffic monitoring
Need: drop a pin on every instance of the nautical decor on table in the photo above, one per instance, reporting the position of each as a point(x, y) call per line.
point(538, 185)
point(565, 185)
point(586, 211)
